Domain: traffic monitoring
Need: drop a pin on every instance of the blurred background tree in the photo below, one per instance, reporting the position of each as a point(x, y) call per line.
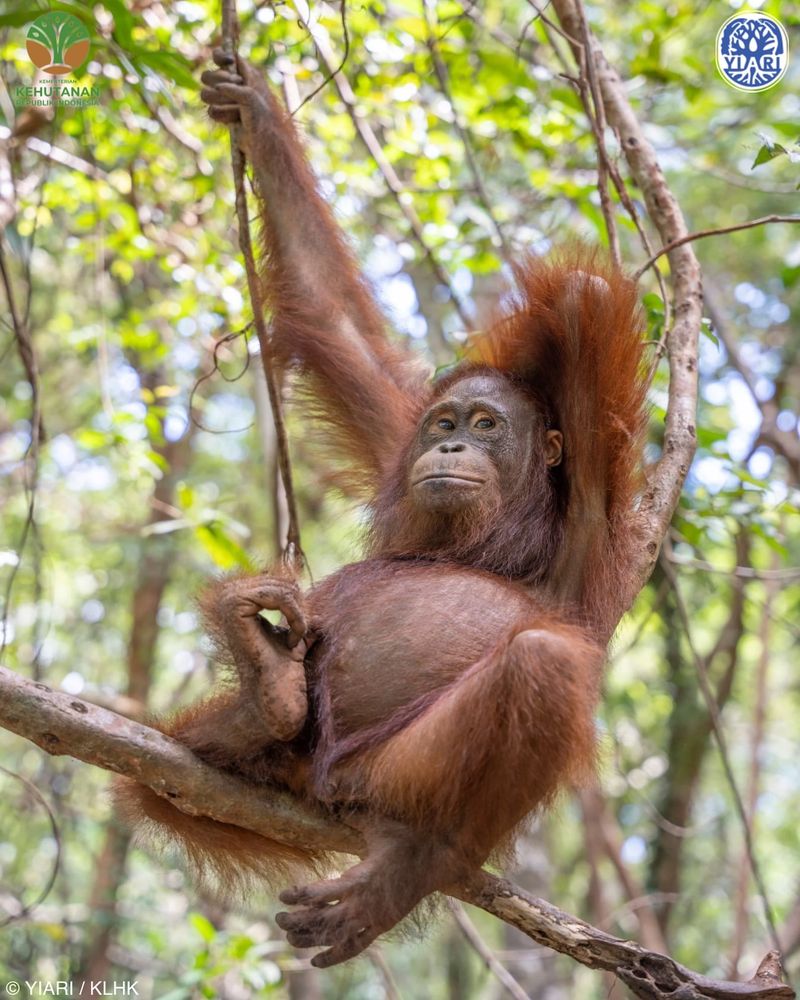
point(453, 138)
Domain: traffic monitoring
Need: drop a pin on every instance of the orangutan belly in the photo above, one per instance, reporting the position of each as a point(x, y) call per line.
point(393, 631)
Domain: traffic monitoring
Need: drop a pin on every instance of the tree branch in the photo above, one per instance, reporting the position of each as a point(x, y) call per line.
point(784, 442)
point(669, 472)
point(292, 550)
point(59, 723)
point(701, 234)
point(485, 953)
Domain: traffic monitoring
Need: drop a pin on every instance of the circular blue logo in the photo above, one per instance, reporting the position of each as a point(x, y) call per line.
point(752, 51)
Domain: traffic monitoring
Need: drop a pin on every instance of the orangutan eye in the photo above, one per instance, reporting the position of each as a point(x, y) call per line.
point(445, 424)
point(485, 423)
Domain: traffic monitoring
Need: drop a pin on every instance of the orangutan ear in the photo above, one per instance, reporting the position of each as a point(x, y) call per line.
point(553, 448)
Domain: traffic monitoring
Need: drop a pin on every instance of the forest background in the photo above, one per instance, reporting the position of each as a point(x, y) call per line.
point(453, 136)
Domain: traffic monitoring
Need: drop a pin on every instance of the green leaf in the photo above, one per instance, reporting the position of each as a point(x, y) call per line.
point(186, 496)
point(707, 330)
point(171, 65)
point(92, 440)
point(123, 22)
point(122, 270)
point(709, 436)
point(653, 302)
point(224, 551)
point(768, 152)
point(240, 946)
point(203, 926)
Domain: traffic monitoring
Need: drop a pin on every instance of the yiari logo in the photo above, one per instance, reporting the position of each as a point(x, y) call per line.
point(752, 51)
point(57, 43)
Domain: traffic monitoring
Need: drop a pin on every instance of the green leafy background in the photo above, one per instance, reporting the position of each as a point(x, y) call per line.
point(127, 244)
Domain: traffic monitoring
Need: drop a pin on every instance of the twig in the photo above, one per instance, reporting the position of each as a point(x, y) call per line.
point(293, 552)
point(597, 120)
point(785, 442)
point(712, 706)
point(514, 45)
point(51, 152)
point(487, 956)
point(597, 813)
point(25, 909)
point(701, 234)
point(378, 959)
point(27, 355)
point(691, 729)
point(25, 349)
point(621, 188)
point(338, 69)
point(786, 573)
point(216, 369)
point(741, 911)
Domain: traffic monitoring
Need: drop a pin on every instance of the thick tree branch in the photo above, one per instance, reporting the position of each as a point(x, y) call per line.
point(667, 476)
point(62, 724)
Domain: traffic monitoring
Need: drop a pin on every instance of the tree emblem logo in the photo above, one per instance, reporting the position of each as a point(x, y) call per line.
point(752, 51)
point(57, 42)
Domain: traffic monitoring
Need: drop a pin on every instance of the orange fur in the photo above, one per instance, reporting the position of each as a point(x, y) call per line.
point(573, 332)
point(360, 385)
point(524, 710)
point(224, 732)
point(227, 859)
point(454, 674)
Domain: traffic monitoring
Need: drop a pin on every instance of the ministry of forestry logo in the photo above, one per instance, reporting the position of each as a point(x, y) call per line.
point(752, 51)
point(57, 43)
